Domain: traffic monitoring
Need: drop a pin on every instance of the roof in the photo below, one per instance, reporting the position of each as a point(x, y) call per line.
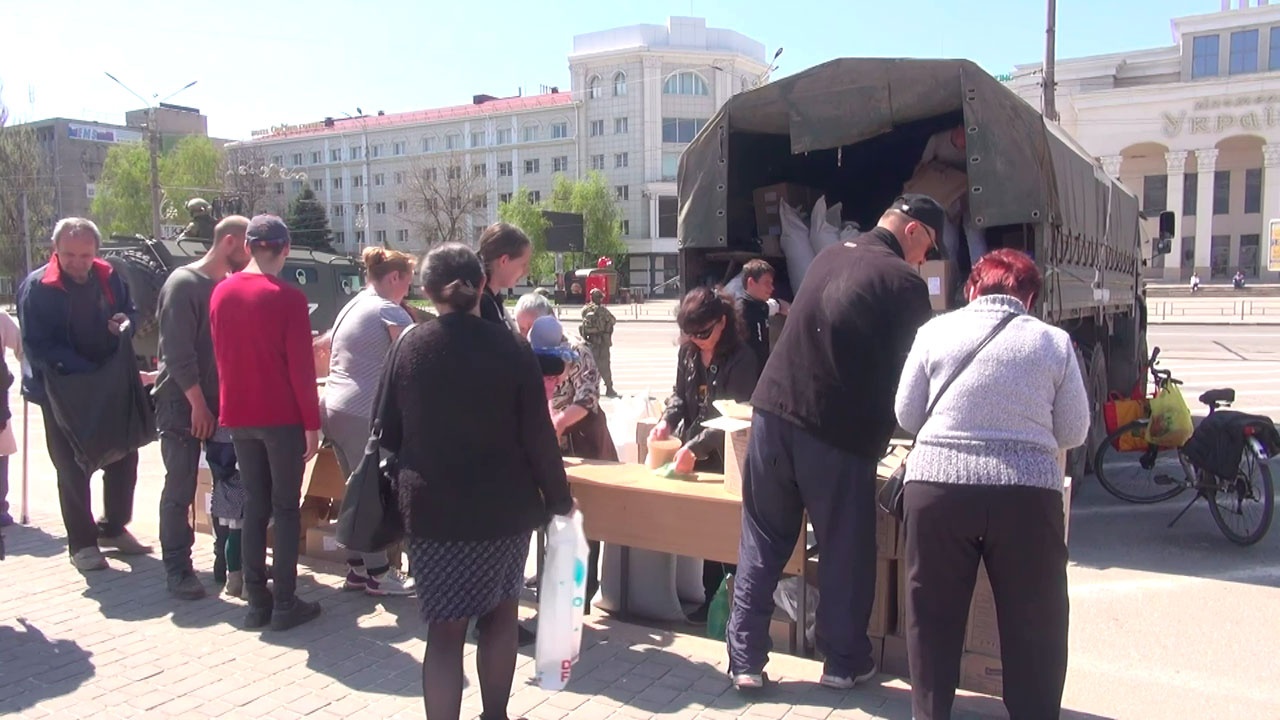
point(418, 117)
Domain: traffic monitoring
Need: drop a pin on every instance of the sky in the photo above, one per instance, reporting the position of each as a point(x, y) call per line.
point(269, 62)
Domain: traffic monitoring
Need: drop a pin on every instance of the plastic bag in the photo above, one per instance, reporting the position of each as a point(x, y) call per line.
point(1171, 424)
point(787, 597)
point(718, 611)
point(561, 601)
point(824, 222)
point(795, 244)
point(1119, 412)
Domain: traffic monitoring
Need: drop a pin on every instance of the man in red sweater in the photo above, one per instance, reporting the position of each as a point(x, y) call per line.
point(267, 394)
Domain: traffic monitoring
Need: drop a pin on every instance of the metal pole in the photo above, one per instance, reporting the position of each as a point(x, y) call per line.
point(1049, 107)
point(25, 509)
point(154, 142)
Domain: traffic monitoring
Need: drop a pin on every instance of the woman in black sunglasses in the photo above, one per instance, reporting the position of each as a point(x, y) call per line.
point(714, 364)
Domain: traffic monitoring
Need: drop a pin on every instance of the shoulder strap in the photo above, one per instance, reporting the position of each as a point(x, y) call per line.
point(969, 359)
point(384, 384)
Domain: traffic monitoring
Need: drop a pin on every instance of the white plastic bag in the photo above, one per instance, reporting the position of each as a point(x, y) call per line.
point(561, 601)
point(787, 597)
point(824, 225)
point(795, 244)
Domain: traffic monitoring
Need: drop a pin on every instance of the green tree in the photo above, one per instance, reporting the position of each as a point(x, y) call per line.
point(23, 175)
point(525, 214)
point(593, 199)
point(308, 221)
point(192, 168)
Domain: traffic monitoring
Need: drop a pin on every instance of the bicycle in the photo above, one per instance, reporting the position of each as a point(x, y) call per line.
point(1165, 472)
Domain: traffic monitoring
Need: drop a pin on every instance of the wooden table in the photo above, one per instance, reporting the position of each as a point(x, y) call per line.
point(627, 505)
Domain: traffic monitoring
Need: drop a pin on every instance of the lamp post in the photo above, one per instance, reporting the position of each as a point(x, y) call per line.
point(361, 219)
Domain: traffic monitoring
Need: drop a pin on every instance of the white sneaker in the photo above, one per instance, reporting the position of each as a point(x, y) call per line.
point(90, 558)
point(748, 681)
point(392, 582)
point(835, 682)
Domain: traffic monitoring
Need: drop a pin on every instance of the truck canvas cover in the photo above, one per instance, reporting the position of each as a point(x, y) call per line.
point(1022, 170)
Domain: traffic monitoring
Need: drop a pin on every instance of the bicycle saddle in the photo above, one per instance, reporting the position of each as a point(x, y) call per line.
point(1218, 397)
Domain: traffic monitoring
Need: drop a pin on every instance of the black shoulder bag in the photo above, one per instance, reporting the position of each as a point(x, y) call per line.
point(890, 496)
point(370, 518)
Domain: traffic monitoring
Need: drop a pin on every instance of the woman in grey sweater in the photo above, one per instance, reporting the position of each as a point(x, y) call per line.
point(983, 483)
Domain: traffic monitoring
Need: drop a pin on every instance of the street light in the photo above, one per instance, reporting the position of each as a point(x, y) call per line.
point(153, 142)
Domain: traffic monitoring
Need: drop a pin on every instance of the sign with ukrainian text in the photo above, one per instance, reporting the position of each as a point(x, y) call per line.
point(1217, 115)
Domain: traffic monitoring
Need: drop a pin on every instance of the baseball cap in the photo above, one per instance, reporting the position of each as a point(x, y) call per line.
point(267, 230)
point(924, 209)
point(546, 335)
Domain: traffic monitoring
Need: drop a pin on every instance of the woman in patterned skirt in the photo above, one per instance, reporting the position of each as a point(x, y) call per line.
point(479, 470)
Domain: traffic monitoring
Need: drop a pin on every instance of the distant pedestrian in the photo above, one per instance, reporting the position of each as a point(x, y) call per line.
point(822, 420)
point(268, 399)
point(756, 306)
point(506, 252)
point(597, 330)
point(186, 394)
point(73, 311)
point(1195, 282)
point(984, 484)
point(10, 338)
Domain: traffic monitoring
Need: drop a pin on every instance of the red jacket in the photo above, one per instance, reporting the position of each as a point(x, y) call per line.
point(262, 341)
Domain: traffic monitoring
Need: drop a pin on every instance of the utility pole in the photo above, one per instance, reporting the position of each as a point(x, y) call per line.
point(1049, 106)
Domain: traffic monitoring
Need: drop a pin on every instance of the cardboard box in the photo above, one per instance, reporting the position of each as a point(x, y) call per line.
point(767, 200)
point(323, 477)
point(203, 505)
point(737, 436)
point(883, 608)
point(900, 622)
point(939, 275)
point(322, 545)
point(981, 674)
point(771, 246)
point(893, 658)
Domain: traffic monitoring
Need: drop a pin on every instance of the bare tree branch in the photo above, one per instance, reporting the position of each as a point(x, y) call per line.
point(445, 199)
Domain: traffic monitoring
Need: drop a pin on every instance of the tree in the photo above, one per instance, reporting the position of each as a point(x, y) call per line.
point(122, 204)
point(444, 200)
point(308, 222)
point(24, 174)
point(525, 214)
point(246, 180)
point(597, 203)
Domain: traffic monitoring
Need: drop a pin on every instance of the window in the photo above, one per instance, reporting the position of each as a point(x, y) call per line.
point(535, 196)
point(620, 126)
point(453, 141)
point(560, 164)
point(619, 84)
point(337, 183)
point(279, 188)
point(480, 170)
point(1155, 193)
point(339, 210)
point(504, 197)
point(429, 175)
point(502, 137)
point(530, 133)
point(623, 191)
point(1189, 194)
point(380, 208)
point(318, 184)
point(1253, 191)
point(620, 160)
point(680, 130)
point(1222, 192)
point(668, 213)
point(356, 152)
point(277, 159)
point(594, 91)
point(1244, 52)
point(335, 155)
point(316, 155)
point(357, 181)
point(297, 158)
point(380, 237)
point(340, 238)
point(1273, 62)
point(597, 162)
point(397, 147)
point(670, 165)
point(559, 130)
point(477, 139)
point(685, 83)
point(402, 236)
point(625, 227)
point(402, 206)
point(454, 172)
point(379, 179)
point(597, 128)
point(1220, 257)
point(531, 167)
point(504, 169)
point(398, 178)
point(297, 186)
point(1248, 258)
point(428, 144)
point(482, 201)
point(375, 151)
point(1204, 56)
point(359, 237)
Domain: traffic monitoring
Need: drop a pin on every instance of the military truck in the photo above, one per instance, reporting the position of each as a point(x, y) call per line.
point(327, 280)
point(854, 129)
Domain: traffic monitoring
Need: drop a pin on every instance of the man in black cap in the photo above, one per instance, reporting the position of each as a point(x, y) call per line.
point(822, 420)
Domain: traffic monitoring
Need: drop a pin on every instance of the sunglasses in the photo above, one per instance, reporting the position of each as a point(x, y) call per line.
point(702, 334)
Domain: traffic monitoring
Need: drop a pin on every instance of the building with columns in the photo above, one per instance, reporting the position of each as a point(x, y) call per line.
point(1193, 128)
point(638, 95)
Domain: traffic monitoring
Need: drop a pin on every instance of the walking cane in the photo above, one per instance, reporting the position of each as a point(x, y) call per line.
point(26, 424)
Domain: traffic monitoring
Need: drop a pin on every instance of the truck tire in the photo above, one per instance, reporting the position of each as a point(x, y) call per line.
point(1078, 458)
point(1093, 369)
point(144, 276)
point(1126, 360)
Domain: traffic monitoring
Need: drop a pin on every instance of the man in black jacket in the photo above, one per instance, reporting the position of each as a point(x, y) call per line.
point(823, 417)
point(756, 305)
point(72, 312)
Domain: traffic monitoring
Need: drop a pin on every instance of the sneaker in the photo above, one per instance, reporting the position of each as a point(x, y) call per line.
point(392, 582)
point(235, 584)
point(124, 543)
point(285, 617)
point(90, 558)
point(749, 681)
point(839, 682)
point(186, 586)
point(258, 617)
point(357, 578)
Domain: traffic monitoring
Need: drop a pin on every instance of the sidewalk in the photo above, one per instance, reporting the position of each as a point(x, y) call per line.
point(114, 644)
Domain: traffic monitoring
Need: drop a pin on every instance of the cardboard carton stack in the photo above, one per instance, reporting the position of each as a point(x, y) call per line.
point(767, 201)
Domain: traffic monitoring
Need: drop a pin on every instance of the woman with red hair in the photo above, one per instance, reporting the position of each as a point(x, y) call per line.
point(993, 394)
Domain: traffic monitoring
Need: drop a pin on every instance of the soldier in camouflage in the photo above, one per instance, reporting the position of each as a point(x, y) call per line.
point(597, 330)
point(202, 224)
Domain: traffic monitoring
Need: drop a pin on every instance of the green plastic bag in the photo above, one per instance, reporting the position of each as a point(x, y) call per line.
point(1171, 424)
point(718, 613)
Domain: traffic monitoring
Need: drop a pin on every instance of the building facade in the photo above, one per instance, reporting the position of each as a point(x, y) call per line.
point(1193, 128)
point(637, 96)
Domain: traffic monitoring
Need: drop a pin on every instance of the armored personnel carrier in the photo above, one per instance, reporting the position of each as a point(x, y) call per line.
point(327, 280)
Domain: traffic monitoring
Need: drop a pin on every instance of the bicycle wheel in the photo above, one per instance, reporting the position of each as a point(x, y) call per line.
point(1139, 477)
point(1242, 507)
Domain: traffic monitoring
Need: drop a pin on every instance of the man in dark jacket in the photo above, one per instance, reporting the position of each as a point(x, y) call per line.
point(72, 312)
point(823, 417)
point(756, 305)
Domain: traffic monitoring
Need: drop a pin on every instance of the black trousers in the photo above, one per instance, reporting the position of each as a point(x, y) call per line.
point(118, 482)
point(271, 470)
point(181, 455)
point(1017, 532)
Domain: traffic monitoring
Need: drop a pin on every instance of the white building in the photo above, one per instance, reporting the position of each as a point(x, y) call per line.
point(638, 95)
point(1193, 128)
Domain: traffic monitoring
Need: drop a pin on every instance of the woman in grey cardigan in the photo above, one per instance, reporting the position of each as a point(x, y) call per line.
point(983, 483)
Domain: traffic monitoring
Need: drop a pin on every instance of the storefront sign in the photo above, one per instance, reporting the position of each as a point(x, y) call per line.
point(1273, 247)
point(1216, 116)
point(281, 129)
point(99, 134)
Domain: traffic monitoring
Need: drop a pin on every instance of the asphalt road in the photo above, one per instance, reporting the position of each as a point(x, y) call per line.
point(1165, 622)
